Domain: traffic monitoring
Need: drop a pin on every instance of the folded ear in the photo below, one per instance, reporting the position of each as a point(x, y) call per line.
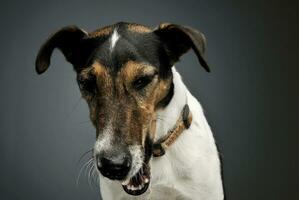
point(68, 40)
point(179, 39)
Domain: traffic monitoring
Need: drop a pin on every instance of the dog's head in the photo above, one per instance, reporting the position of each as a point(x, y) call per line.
point(124, 74)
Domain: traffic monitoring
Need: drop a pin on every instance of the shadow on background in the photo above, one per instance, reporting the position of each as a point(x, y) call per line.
point(250, 97)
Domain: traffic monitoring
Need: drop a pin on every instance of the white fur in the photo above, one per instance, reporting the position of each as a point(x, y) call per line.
point(114, 38)
point(104, 141)
point(190, 169)
point(137, 160)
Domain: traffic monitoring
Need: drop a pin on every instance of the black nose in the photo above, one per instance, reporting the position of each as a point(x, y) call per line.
point(114, 165)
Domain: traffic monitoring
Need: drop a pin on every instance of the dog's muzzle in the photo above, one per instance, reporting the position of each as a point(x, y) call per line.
point(116, 166)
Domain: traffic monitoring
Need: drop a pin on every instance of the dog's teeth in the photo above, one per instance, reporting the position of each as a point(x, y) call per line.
point(134, 188)
point(126, 182)
point(130, 187)
point(140, 187)
point(146, 180)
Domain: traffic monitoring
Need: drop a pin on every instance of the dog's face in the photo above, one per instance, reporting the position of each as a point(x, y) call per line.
point(124, 74)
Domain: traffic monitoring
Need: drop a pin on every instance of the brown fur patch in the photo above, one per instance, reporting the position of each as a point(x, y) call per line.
point(132, 69)
point(101, 32)
point(98, 69)
point(132, 112)
point(104, 87)
point(85, 73)
point(104, 80)
point(146, 103)
point(141, 122)
point(139, 28)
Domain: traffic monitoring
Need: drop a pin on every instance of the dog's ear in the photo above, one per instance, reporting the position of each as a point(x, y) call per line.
point(179, 39)
point(68, 40)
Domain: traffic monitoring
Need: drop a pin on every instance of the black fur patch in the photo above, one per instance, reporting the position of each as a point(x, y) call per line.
point(131, 46)
point(165, 101)
point(148, 148)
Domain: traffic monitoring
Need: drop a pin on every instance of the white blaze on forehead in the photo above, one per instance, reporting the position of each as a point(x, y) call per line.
point(114, 38)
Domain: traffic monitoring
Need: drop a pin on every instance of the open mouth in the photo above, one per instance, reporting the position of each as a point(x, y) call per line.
point(139, 183)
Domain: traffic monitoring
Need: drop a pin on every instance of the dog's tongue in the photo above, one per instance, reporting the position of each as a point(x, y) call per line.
point(138, 184)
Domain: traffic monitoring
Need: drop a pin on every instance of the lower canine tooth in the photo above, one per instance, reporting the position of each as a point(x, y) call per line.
point(126, 182)
point(146, 180)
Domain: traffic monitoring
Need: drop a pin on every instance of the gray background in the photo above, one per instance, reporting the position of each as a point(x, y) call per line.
point(250, 98)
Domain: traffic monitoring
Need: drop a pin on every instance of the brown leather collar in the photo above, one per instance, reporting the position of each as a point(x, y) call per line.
point(181, 124)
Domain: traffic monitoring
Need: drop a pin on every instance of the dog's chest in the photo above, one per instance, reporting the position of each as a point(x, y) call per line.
point(159, 192)
point(163, 192)
point(169, 178)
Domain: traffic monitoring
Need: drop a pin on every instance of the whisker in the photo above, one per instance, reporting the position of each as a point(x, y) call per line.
point(94, 175)
point(84, 154)
point(89, 174)
point(82, 168)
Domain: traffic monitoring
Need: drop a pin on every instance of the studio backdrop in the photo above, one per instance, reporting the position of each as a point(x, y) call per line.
point(250, 97)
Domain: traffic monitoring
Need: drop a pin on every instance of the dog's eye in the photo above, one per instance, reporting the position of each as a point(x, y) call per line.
point(142, 81)
point(87, 85)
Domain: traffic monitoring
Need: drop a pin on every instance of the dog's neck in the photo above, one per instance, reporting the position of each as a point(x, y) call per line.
point(167, 117)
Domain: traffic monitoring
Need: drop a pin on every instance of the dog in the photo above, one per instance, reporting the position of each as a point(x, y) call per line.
point(152, 138)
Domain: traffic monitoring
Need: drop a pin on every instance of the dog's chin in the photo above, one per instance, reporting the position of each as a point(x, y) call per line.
point(139, 183)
